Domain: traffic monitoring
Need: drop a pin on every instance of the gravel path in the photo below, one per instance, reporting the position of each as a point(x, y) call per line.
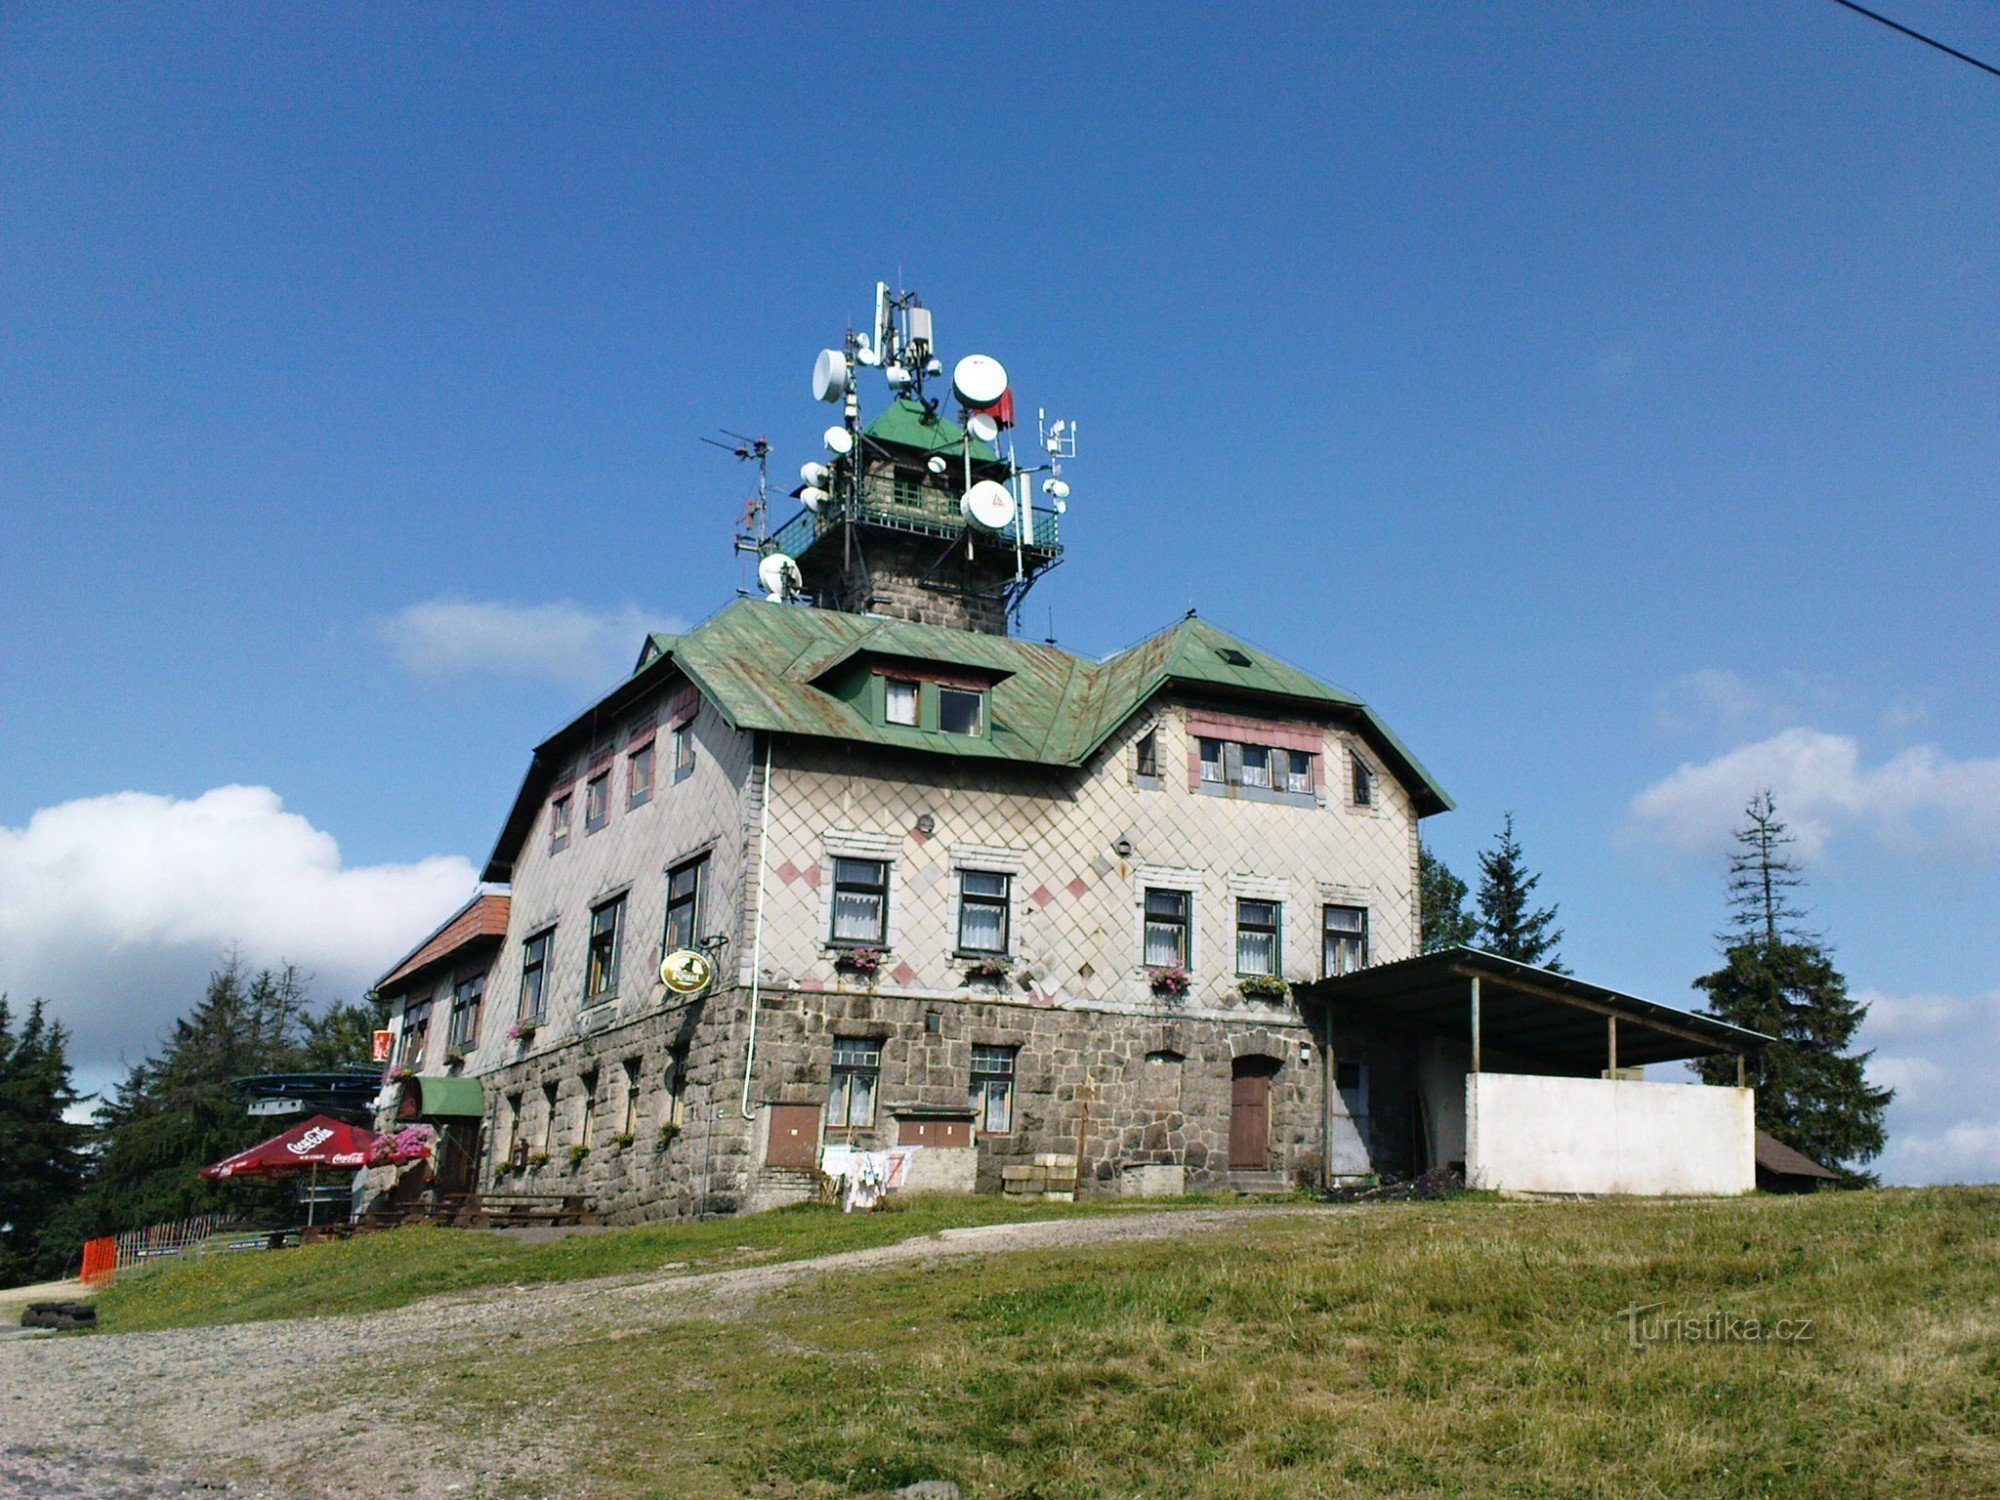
point(288, 1410)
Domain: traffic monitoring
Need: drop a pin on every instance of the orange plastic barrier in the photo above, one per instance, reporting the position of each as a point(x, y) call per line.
point(100, 1259)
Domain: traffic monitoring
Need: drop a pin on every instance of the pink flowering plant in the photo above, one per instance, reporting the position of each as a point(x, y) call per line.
point(522, 1030)
point(997, 967)
point(1171, 982)
point(859, 960)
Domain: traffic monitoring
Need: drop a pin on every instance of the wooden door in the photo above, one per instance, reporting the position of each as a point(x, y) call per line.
point(794, 1137)
point(1250, 1114)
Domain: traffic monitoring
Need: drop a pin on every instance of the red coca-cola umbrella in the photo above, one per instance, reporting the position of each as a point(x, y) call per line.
point(312, 1145)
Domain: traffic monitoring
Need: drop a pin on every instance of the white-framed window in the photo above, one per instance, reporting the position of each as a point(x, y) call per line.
point(1259, 937)
point(899, 700)
point(1169, 918)
point(685, 884)
point(682, 739)
point(416, 1035)
point(548, 1118)
point(984, 897)
point(534, 975)
point(586, 1110)
point(1257, 765)
point(1344, 939)
point(639, 775)
point(597, 801)
point(1146, 753)
point(1363, 780)
point(559, 814)
point(673, 1090)
point(851, 1084)
point(628, 1123)
point(993, 1089)
point(1298, 770)
point(860, 903)
point(1211, 761)
point(463, 1035)
point(600, 970)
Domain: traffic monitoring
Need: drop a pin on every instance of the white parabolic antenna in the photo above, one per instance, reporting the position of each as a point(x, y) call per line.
point(982, 426)
point(816, 473)
point(978, 380)
point(988, 503)
point(779, 575)
point(839, 440)
point(830, 375)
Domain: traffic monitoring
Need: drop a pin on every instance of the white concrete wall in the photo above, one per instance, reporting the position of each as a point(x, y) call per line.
point(1538, 1134)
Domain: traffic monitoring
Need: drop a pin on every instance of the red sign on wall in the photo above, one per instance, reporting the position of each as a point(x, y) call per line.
point(383, 1042)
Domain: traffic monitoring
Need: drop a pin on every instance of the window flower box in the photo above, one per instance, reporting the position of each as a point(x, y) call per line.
point(621, 1141)
point(456, 1057)
point(865, 961)
point(995, 968)
point(669, 1133)
point(538, 1159)
point(1263, 987)
point(577, 1154)
point(523, 1031)
point(1170, 983)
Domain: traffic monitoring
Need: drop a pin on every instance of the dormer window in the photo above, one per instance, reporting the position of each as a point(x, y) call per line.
point(899, 700)
point(960, 711)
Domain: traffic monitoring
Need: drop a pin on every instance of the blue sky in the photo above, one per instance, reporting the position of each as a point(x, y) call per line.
point(1605, 393)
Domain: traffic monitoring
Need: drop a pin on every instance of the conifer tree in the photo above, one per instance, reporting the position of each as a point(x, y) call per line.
point(41, 1153)
point(1441, 905)
point(1509, 925)
point(1812, 1093)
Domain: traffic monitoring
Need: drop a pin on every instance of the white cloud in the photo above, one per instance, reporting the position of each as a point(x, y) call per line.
point(1944, 1123)
point(1921, 800)
point(115, 908)
point(562, 642)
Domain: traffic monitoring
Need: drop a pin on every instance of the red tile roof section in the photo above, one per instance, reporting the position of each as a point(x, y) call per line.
point(484, 916)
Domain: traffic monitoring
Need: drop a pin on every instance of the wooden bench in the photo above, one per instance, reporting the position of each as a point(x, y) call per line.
point(520, 1210)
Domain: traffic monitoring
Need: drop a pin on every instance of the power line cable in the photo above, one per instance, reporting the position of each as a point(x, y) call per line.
point(1862, 10)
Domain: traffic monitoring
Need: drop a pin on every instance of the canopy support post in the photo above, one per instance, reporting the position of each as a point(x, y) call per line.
point(1611, 1026)
point(1741, 1080)
point(1475, 1023)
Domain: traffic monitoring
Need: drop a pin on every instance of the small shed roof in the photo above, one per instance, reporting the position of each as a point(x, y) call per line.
point(1533, 1012)
point(1775, 1157)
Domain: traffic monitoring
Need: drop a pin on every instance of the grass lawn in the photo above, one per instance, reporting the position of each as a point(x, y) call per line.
point(1460, 1348)
point(390, 1269)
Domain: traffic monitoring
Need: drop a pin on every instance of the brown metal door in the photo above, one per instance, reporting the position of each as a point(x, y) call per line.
point(794, 1136)
point(1250, 1118)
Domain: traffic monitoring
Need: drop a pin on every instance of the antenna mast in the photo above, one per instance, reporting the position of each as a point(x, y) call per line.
point(752, 531)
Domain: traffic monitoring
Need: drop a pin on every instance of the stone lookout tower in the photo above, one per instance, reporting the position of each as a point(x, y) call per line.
point(924, 513)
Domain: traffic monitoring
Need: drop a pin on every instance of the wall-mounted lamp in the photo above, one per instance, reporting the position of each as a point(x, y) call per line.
point(926, 824)
point(1123, 848)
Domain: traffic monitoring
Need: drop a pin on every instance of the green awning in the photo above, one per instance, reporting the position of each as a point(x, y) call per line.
point(446, 1097)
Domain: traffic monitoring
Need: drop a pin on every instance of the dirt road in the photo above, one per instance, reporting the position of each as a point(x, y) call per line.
point(291, 1411)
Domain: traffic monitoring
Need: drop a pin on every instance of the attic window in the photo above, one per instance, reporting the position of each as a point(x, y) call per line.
point(900, 700)
point(960, 712)
point(1234, 657)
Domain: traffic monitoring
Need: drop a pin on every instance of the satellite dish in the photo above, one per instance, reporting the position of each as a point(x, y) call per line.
point(982, 426)
point(937, 465)
point(684, 971)
point(816, 474)
point(780, 576)
point(812, 497)
point(1055, 489)
point(864, 352)
point(989, 504)
point(831, 376)
point(839, 441)
point(978, 380)
point(897, 376)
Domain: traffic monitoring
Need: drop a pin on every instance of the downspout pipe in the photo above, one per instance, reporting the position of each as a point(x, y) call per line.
point(757, 931)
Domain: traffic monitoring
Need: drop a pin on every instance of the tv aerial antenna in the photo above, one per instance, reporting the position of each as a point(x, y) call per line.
point(751, 529)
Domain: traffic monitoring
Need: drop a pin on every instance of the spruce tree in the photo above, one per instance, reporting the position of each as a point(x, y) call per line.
point(41, 1152)
point(1509, 925)
point(1812, 1093)
point(1441, 905)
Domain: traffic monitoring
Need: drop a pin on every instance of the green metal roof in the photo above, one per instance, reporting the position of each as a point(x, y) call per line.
point(449, 1097)
point(904, 423)
point(769, 667)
